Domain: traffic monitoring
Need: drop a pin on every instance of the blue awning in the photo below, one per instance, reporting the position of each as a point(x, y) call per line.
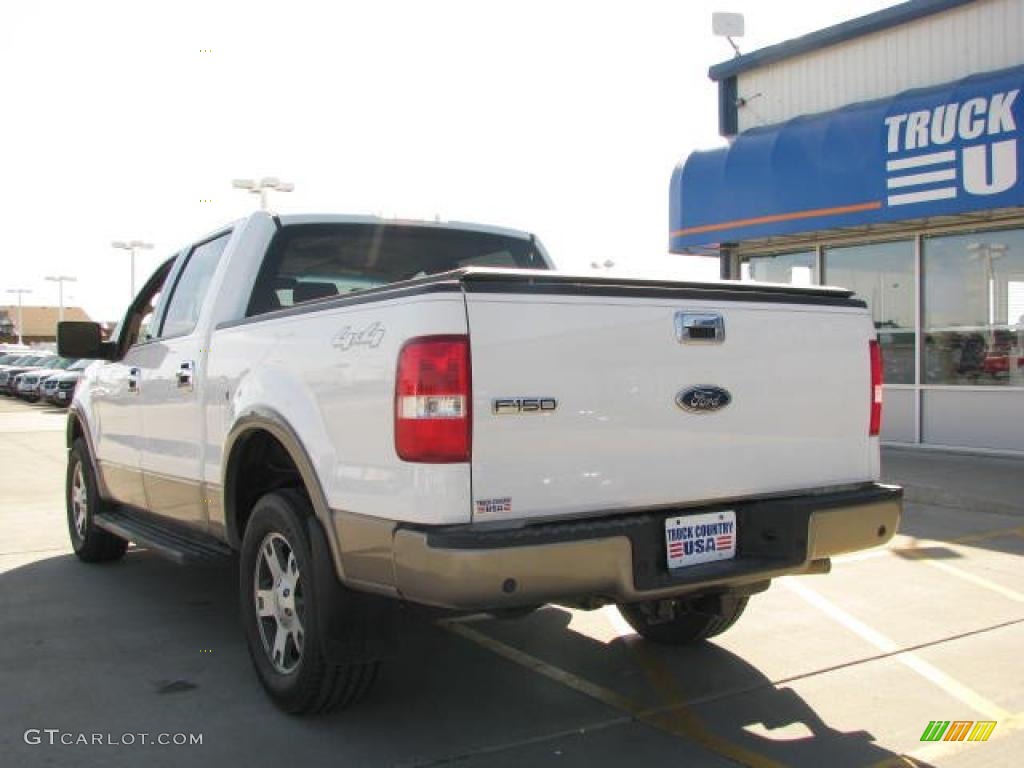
point(928, 152)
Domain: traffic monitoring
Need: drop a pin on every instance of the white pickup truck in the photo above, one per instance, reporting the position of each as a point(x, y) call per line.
point(375, 413)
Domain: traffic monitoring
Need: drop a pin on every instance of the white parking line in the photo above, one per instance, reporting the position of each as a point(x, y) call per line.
point(980, 581)
point(937, 677)
point(917, 549)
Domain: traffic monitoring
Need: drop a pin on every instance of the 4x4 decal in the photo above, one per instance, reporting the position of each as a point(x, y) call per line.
point(370, 336)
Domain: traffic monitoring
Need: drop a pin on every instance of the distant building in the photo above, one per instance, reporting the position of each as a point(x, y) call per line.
point(40, 322)
point(886, 155)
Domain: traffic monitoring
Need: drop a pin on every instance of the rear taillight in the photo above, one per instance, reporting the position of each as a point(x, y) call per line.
point(432, 400)
point(876, 388)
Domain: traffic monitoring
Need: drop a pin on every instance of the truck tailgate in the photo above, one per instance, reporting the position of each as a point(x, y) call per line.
point(577, 386)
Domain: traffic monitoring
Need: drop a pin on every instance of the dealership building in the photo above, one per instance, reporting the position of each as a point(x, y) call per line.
point(884, 155)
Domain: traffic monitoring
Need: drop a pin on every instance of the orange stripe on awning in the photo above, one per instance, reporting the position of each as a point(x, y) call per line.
point(809, 214)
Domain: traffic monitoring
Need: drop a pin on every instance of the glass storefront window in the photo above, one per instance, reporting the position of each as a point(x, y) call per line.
point(883, 275)
point(795, 268)
point(974, 308)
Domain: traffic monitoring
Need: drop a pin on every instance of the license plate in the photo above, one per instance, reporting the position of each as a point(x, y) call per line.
point(62, 396)
point(705, 538)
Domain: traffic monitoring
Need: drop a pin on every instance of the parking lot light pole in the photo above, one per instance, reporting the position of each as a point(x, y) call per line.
point(262, 186)
point(20, 292)
point(131, 246)
point(60, 280)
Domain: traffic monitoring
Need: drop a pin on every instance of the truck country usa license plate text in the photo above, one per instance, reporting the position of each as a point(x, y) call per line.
point(703, 538)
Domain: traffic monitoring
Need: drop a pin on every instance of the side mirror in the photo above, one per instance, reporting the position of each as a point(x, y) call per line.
point(77, 338)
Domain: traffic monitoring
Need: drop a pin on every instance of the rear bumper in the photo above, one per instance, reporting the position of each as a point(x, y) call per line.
point(622, 558)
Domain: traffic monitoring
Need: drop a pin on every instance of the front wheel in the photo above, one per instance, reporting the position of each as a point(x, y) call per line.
point(279, 612)
point(91, 543)
point(682, 622)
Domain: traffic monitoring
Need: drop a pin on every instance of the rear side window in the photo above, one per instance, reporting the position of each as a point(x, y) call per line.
point(307, 262)
point(190, 289)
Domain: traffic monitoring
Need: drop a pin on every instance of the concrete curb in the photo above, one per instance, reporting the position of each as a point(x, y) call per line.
point(940, 497)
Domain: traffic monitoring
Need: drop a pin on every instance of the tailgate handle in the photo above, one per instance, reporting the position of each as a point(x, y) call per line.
point(699, 328)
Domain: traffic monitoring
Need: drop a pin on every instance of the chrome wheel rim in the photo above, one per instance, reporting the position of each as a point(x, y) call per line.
point(79, 500)
point(280, 607)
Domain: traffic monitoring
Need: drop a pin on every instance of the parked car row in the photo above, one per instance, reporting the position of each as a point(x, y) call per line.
point(40, 377)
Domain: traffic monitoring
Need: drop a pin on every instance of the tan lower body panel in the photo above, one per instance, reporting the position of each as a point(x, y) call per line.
point(122, 484)
point(214, 497)
point(185, 501)
point(838, 531)
point(367, 551)
point(505, 577)
point(175, 498)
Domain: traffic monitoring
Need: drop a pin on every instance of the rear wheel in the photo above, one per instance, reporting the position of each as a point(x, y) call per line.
point(91, 544)
point(279, 612)
point(681, 622)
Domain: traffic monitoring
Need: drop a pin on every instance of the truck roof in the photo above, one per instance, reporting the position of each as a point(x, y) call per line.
point(341, 218)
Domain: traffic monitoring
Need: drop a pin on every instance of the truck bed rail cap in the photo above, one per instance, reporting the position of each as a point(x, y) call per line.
point(477, 274)
point(488, 280)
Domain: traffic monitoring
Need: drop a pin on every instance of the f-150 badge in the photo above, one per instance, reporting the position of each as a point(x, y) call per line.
point(703, 399)
point(348, 337)
point(507, 406)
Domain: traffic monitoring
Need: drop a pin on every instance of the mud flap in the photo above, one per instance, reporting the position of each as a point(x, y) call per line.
point(355, 627)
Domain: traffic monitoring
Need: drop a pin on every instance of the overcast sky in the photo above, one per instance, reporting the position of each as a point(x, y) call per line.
point(562, 118)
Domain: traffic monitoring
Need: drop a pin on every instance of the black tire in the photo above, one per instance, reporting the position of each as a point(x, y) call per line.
point(299, 681)
point(684, 622)
point(91, 544)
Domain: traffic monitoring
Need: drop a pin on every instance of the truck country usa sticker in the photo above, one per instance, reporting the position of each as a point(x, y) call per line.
point(987, 167)
point(493, 506)
point(700, 538)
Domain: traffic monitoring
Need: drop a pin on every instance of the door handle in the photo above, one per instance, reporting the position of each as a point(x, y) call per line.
point(133, 380)
point(184, 374)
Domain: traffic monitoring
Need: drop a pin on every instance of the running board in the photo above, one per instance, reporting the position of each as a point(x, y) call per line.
point(183, 549)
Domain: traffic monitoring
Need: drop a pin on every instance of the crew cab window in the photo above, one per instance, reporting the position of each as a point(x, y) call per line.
point(147, 329)
point(307, 262)
point(189, 291)
point(137, 326)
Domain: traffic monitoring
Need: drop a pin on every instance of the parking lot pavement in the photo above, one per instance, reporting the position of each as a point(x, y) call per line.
point(948, 479)
point(839, 670)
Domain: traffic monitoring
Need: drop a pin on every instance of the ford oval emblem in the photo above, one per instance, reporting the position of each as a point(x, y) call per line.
point(703, 399)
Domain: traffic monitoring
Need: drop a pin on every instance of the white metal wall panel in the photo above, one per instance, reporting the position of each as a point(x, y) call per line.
point(974, 418)
point(980, 37)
